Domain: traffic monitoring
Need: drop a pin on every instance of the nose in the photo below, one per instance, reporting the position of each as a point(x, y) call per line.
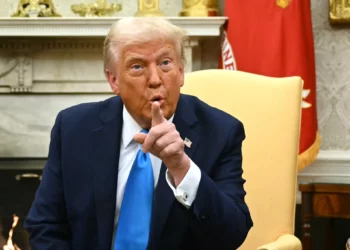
point(154, 80)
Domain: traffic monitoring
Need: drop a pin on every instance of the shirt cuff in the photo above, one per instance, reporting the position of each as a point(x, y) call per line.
point(186, 191)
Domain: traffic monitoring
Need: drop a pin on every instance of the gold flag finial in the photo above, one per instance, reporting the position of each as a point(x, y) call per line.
point(283, 3)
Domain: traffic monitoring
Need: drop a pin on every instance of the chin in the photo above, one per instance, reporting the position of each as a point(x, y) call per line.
point(146, 123)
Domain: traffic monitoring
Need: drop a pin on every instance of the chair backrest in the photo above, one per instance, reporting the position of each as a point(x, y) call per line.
point(270, 109)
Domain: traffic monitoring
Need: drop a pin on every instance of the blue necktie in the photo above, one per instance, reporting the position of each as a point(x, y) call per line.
point(136, 209)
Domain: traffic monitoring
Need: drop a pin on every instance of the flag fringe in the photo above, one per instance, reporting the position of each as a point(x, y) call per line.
point(310, 154)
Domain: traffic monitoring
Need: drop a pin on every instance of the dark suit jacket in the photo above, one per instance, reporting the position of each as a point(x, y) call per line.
point(75, 204)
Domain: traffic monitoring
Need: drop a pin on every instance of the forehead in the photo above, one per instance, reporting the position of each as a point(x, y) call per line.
point(148, 50)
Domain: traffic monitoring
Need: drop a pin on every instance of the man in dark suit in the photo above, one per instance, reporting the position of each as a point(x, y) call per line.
point(148, 169)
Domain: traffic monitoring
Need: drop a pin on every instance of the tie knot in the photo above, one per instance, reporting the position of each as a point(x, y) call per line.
point(145, 131)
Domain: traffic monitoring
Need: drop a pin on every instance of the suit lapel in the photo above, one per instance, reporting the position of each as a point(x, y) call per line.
point(104, 159)
point(186, 124)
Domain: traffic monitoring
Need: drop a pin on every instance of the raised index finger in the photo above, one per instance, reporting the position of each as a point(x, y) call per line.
point(157, 114)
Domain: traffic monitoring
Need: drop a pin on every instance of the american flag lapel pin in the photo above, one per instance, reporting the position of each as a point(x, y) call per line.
point(187, 142)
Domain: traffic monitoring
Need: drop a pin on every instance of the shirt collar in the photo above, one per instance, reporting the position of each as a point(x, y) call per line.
point(131, 127)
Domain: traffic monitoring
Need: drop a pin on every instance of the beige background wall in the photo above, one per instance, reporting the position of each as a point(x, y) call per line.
point(332, 59)
point(333, 79)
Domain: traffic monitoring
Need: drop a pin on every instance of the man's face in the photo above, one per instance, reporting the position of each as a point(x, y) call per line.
point(145, 73)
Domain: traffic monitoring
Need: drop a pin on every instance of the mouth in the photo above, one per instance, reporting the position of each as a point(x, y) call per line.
point(157, 98)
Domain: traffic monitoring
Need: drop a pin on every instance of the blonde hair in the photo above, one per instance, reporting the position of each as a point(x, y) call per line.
point(138, 30)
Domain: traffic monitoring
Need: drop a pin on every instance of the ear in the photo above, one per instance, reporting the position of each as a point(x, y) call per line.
point(113, 81)
point(182, 75)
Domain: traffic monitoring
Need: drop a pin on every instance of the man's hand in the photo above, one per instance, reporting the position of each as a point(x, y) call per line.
point(165, 142)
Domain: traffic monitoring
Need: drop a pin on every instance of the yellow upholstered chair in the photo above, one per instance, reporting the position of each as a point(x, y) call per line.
point(270, 109)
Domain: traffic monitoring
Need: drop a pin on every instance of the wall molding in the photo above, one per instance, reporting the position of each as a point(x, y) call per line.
point(22, 164)
point(19, 69)
point(331, 166)
point(97, 27)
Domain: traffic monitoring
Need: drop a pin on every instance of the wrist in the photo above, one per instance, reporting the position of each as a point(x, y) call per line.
point(179, 172)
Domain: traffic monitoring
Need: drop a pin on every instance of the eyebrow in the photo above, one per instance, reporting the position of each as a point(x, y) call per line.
point(133, 58)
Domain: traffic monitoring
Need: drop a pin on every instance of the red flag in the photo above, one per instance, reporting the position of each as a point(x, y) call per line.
point(274, 38)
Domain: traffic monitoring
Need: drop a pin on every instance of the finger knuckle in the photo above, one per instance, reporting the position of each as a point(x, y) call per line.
point(167, 151)
point(158, 144)
point(154, 132)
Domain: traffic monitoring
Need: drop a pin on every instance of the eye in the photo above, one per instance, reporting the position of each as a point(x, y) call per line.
point(136, 66)
point(166, 62)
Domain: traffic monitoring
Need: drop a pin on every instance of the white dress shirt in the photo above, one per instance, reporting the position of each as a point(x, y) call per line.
point(185, 192)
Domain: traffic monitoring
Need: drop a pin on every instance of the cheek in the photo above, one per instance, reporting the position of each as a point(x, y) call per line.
point(173, 84)
point(133, 87)
point(134, 97)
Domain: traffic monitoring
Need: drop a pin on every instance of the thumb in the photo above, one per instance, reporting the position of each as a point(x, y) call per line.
point(140, 137)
